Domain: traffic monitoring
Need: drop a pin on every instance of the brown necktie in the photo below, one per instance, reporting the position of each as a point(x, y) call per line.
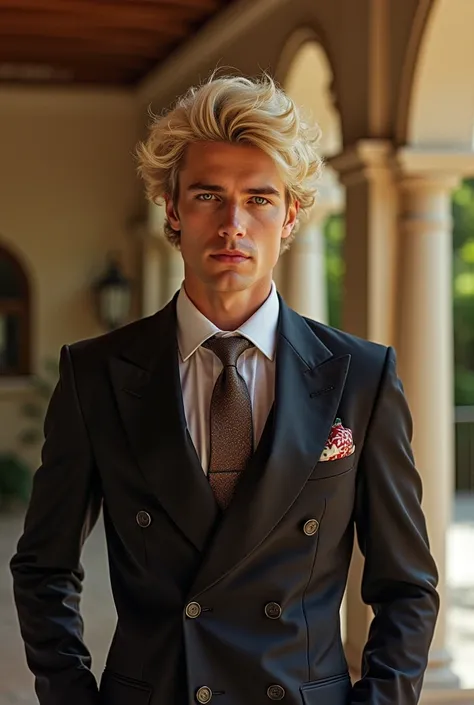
point(230, 420)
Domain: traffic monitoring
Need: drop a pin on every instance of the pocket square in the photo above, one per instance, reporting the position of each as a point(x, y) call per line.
point(339, 444)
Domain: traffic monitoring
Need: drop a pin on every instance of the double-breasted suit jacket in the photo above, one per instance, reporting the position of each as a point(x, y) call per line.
point(240, 608)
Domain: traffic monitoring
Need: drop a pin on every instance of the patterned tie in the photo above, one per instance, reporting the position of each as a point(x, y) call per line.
point(230, 420)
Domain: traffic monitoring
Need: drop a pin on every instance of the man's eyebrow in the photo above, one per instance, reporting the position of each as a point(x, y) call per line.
point(215, 188)
point(265, 190)
point(200, 186)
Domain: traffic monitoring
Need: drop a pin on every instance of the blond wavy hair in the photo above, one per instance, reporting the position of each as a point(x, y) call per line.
point(236, 110)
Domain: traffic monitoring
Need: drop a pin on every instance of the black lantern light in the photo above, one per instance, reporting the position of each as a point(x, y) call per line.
point(113, 295)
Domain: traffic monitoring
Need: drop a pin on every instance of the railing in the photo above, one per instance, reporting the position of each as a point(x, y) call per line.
point(464, 445)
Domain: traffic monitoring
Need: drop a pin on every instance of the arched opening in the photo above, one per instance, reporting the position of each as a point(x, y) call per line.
point(14, 317)
point(439, 109)
point(311, 276)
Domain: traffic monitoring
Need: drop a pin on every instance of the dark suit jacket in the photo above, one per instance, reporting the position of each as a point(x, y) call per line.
point(116, 437)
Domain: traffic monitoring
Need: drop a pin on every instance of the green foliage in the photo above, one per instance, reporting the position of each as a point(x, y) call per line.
point(15, 474)
point(463, 292)
point(15, 480)
point(334, 233)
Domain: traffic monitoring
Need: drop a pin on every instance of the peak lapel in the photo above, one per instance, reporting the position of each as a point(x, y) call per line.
point(309, 386)
point(148, 391)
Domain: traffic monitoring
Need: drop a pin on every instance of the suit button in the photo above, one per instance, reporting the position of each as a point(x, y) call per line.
point(204, 694)
point(193, 610)
point(276, 692)
point(273, 610)
point(143, 519)
point(311, 526)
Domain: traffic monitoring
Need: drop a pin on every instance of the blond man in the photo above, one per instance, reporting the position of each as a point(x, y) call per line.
point(235, 447)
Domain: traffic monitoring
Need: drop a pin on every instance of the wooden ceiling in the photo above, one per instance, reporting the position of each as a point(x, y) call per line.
point(104, 42)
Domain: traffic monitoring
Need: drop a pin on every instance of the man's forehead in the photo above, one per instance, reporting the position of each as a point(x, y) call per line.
point(227, 161)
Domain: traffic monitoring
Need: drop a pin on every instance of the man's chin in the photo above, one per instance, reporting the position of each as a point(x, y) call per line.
point(230, 281)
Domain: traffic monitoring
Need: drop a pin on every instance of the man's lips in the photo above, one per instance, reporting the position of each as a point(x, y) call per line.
point(232, 257)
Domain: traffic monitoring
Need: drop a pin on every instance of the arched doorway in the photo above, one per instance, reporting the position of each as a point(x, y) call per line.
point(306, 75)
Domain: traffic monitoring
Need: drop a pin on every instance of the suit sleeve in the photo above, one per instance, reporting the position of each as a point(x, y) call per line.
point(400, 577)
point(47, 573)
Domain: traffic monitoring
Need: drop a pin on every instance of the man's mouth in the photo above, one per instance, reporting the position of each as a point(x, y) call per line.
point(230, 256)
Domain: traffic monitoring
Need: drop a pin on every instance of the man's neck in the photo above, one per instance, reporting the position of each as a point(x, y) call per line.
point(229, 310)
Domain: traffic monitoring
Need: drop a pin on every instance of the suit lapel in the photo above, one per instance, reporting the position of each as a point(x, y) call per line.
point(147, 387)
point(308, 389)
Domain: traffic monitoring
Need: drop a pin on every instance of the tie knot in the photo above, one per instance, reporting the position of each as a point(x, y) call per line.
point(228, 349)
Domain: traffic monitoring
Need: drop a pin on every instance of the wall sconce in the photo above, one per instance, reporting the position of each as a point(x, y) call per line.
point(113, 295)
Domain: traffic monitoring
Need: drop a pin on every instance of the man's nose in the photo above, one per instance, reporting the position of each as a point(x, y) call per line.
point(232, 224)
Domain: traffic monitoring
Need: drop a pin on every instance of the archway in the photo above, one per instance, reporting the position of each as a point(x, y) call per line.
point(439, 107)
point(15, 316)
point(303, 275)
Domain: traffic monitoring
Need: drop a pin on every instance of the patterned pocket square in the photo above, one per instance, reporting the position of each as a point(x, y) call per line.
point(339, 444)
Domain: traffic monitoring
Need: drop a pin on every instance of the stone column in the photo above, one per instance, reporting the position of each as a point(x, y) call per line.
point(174, 272)
point(149, 265)
point(305, 283)
point(304, 265)
point(426, 362)
point(169, 258)
point(370, 251)
point(173, 266)
point(151, 274)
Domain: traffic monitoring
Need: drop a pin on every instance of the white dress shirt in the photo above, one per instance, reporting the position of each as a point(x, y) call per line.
point(199, 367)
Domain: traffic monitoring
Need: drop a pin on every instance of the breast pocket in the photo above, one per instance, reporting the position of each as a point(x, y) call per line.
point(333, 468)
point(328, 691)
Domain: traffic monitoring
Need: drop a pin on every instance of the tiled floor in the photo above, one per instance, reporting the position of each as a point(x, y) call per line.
point(16, 682)
point(460, 570)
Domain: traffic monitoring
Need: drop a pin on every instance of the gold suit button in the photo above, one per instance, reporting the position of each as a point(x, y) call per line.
point(204, 694)
point(273, 610)
point(311, 526)
point(193, 610)
point(143, 519)
point(276, 692)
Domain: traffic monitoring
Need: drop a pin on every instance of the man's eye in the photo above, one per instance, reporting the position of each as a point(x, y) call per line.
point(260, 200)
point(205, 196)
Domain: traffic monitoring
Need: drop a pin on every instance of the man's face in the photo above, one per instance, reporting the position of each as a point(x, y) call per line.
point(232, 214)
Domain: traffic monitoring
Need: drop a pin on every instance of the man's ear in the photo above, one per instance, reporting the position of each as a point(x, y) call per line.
point(172, 213)
point(290, 220)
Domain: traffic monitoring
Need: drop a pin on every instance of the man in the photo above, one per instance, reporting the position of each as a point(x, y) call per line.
point(234, 447)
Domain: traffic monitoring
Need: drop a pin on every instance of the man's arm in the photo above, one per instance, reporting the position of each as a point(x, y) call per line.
point(47, 573)
point(400, 577)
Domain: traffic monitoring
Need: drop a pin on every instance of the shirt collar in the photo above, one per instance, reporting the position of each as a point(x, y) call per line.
point(194, 328)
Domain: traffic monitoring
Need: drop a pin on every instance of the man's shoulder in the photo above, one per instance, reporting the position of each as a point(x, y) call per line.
point(340, 342)
point(111, 341)
point(368, 360)
point(143, 333)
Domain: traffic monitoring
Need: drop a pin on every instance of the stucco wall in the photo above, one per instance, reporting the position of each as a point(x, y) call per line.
point(68, 188)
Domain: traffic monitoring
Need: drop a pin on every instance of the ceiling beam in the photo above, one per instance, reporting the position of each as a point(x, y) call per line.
point(204, 5)
point(91, 77)
point(67, 47)
point(226, 26)
point(108, 13)
point(96, 59)
point(17, 27)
